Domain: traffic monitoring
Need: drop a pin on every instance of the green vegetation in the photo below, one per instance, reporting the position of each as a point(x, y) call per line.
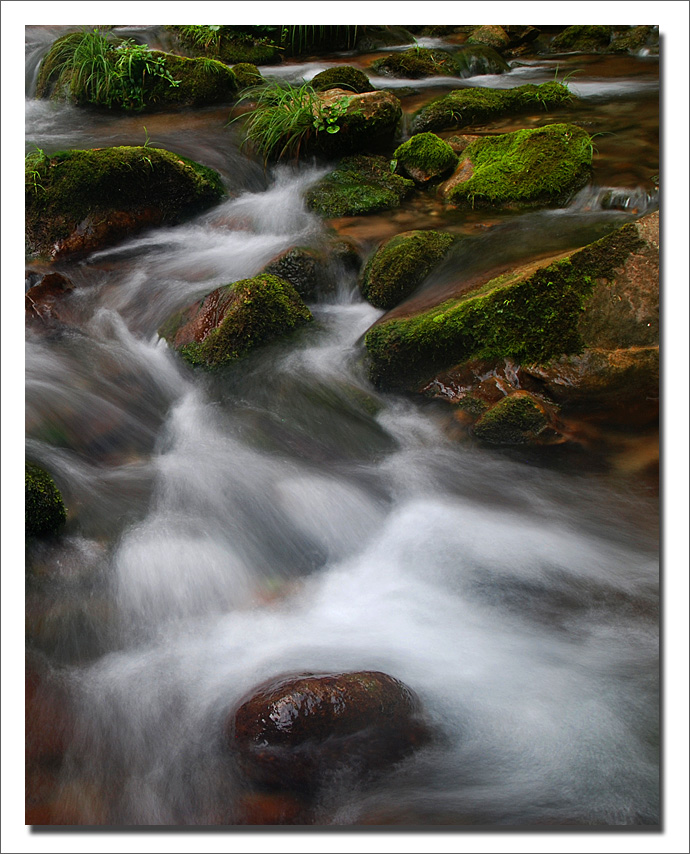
point(251, 311)
point(342, 77)
point(632, 39)
point(229, 44)
point(247, 75)
point(298, 39)
point(543, 165)
point(582, 38)
point(464, 107)
point(424, 157)
point(417, 62)
point(44, 509)
point(525, 316)
point(491, 36)
point(360, 185)
point(92, 68)
point(399, 266)
point(512, 421)
point(101, 193)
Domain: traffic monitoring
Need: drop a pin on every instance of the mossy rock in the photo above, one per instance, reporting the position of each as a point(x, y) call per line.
point(634, 39)
point(401, 264)
point(78, 201)
point(367, 122)
point(425, 157)
point(227, 45)
point(532, 314)
point(583, 39)
point(360, 185)
point(342, 77)
point(527, 167)
point(471, 60)
point(247, 75)
point(44, 508)
point(233, 320)
point(305, 269)
point(416, 63)
point(465, 107)
point(516, 419)
point(492, 36)
point(201, 82)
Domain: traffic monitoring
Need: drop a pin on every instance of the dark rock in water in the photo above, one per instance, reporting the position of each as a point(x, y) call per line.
point(45, 510)
point(293, 732)
point(304, 268)
point(401, 264)
point(360, 185)
point(42, 300)
point(80, 201)
point(516, 419)
point(233, 320)
point(583, 39)
point(342, 77)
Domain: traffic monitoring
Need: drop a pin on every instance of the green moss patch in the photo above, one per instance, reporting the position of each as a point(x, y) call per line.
point(544, 165)
point(416, 63)
point(232, 321)
point(44, 509)
point(342, 77)
point(360, 185)
point(465, 107)
point(399, 266)
point(425, 157)
point(492, 36)
point(247, 75)
point(582, 38)
point(512, 421)
point(77, 200)
point(200, 82)
point(227, 44)
point(633, 39)
point(527, 315)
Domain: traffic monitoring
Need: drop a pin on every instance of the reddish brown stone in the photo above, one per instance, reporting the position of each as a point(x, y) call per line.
point(42, 301)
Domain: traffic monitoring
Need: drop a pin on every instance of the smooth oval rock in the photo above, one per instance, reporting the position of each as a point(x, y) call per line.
point(292, 731)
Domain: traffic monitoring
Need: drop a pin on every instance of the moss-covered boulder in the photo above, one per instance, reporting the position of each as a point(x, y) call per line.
point(531, 315)
point(583, 39)
point(304, 268)
point(464, 107)
point(425, 157)
point(416, 63)
point(233, 320)
point(44, 508)
point(527, 167)
point(472, 60)
point(516, 419)
point(366, 122)
point(247, 75)
point(342, 77)
point(359, 185)
point(401, 264)
point(227, 44)
point(123, 76)
point(78, 201)
point(492, 36)
point(634, 39)
point(296, 732)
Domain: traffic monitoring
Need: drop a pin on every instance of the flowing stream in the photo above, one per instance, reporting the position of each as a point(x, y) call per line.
point(284, 516)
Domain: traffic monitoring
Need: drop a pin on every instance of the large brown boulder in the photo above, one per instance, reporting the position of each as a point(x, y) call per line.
point(293, 731)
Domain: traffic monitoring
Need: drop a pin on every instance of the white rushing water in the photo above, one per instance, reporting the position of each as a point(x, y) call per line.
point(285, 517)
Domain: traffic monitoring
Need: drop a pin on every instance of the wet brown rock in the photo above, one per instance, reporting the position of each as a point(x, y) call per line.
point(42, 301)
point(292, 732)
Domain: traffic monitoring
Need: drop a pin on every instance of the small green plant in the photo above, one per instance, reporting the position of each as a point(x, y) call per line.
point(35, 163)
point(203, 38)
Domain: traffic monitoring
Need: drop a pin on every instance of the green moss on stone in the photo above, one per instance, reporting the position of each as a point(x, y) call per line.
point(465, 107)
point(227, 44)
point(360, 185)
point(399, 266)
point(633, 39)
point(425, 156)
point(247, 75)
point(44, 509)
point(492, 36)
point(342, 77)
point(512, 421)
point(528, 317)
point(544, 165)
point(416, 63)
point(72, 193)
point(582, 38)
point(201, 82)
point(253, 311)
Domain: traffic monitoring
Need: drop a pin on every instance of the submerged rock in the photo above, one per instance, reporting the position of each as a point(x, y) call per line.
point(401, 264)
point(541, 166)
point(80, 201)
point(464, 107)
point(360, 185)
point(44, 508)
point(42, 301)
point(425, 157)
point(293, 732)
point(233, 320)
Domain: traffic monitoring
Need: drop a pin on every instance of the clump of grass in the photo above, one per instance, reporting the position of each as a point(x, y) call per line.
point(285, 119)
point(101, 71)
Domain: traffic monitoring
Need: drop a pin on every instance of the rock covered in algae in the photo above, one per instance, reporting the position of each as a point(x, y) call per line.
point(233, 320)
point(342, 77)
point(516, 419)
point(541, 166)
point(464, 107)
point(292, 731)
point(44, 508)
point(401, 264)
point(582, 38)
point(79, 201)
point(425, 157)
point(359, 185)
